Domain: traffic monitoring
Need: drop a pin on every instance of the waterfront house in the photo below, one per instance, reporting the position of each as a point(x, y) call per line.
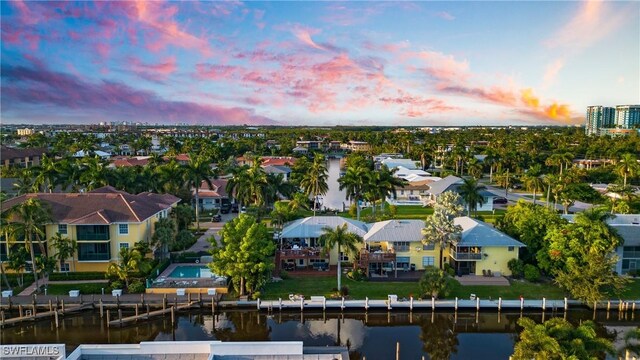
point(482, 248)
point(396, 245)
point(102, 222)
point(300, 247)
point(628, 227)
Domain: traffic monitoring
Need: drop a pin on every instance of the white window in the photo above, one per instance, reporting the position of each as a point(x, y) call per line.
point(428, 260)
point(64, 267)
point(123, 229)
point(123, 245)
point(428, 247)
point(62, 229)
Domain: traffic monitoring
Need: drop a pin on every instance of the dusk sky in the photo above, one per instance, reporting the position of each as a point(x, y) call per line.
point(317, 63)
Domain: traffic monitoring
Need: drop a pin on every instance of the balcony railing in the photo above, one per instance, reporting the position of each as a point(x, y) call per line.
point(95, 232)
point(466, 256)
point(303, 254)
point(381, 257)
point(94, 257)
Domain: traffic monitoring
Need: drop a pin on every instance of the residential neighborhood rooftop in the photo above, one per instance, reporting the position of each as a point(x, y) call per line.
point(479, 233)
point(105, 205)
point(395, 230)
point(312, 226)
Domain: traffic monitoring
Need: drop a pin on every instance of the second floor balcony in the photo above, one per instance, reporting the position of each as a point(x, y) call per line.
point(380, 256)
point(465, 253)
point(92, 232)
point(303, 253)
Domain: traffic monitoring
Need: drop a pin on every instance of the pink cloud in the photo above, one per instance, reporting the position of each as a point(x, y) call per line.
point(23, 86)
point(304, 34)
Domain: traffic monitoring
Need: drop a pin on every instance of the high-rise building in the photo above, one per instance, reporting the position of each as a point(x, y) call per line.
point(599, 117)
point(627, 116)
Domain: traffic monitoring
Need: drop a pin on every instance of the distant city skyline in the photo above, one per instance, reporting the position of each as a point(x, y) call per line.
point(317, 63)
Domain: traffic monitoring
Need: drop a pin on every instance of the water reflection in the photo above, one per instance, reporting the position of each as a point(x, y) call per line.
point(373, 334)
point(334, 198)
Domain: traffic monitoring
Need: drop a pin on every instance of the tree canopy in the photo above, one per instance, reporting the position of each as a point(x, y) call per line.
point(244, 254)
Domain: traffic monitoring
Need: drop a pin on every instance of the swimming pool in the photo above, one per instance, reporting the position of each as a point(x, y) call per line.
point(190, 272)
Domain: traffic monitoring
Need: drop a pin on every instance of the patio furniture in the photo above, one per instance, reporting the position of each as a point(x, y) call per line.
point(74, 293)
point(392, 298)
point(116, 292)
point(484, 272)
point(489, 273)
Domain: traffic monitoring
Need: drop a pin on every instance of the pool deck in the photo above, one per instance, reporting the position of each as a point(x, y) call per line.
point(174, 282)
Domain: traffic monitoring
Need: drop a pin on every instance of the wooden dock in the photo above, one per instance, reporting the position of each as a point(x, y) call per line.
point(30, 313)
point(123, 321)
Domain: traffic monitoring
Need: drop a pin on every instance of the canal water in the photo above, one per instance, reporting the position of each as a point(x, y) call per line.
point(335, 198)
point(484, 335)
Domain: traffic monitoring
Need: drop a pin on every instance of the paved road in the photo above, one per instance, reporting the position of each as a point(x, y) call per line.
point(578, 206)
point(202, 244)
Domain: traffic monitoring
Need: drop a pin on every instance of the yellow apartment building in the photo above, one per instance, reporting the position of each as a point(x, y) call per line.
point(101, 221)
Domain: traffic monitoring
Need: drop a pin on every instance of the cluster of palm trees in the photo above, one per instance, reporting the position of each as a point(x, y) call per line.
point(362, 183)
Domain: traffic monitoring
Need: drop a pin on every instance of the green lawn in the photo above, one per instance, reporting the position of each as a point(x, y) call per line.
point(89, 288)
point(633, 291)
point(309, 286)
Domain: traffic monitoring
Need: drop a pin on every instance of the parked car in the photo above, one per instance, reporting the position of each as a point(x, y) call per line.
point(225, 208)
point(234, 208)
point(500, 200)
point(216, 218)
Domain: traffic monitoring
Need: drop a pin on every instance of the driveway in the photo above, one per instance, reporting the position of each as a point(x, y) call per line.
point(202, 244)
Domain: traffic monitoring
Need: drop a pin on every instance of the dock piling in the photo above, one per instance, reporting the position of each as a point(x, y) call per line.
point(456, 304)
point(56, 318)
point(136, 309)
point(366, 303)
point(478, 303)
point(433, 303)
point(342, 304)
point(544, 304)
point(566, 304)
point(410, 303)
point(173, 316)
point(280, 304)
point(101, 309)
point(500, 303)
point(108, 318)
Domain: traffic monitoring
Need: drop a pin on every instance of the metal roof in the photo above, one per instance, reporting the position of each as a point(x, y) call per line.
point(478, 233)
point(438, 187)
point(312, 227)
point(395, 230)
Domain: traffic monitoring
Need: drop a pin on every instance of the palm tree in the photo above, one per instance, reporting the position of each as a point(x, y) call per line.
point(532, 180)
point(28, 219)
point(131, 261)
point(474, 168)
point(314, 182)
point(93, 173)
point(236, 186)
point(256, 182)
point(65, 248)
point(195, 172)
point(555, 160)
point(342, 238)
point(628, 166)
point(46, 173)
point(386, 184)
point(470, 191)
point(354, 182)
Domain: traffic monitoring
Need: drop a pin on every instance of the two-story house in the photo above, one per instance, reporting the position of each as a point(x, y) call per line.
point(396, 245)
point(101, 221)
point(300, 245)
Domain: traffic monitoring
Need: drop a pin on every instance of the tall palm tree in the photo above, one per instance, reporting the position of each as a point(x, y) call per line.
point(236, 186)
point(628, 166)
point(354, 183)
point(195, 172)
point(340, 237)
point(314, 182)
point(27, 222)
point(386, 184)
point(46, 173)
point(470, 191)
point(256, 182)
point(532, 180)
point(93, 173)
